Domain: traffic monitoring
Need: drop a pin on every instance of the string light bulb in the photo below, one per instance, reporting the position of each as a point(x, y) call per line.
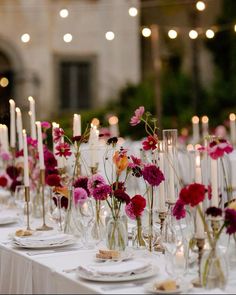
point(4, 82)
point(193, 34)
point(133, 11)
point(64, 13)
point(67, 38)
point(25, 38)
point(234, 28)
point(200, 5)
point(172, 34)
point(110, 36)
point(146, 32)
point(210, 34)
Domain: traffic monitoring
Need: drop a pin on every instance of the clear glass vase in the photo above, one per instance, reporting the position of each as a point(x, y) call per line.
point(72, 224)
point(214, 269)
point(98, 228)
point(138, 236)
point(116, 233)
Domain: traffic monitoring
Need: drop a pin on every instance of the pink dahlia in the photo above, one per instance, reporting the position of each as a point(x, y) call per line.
point(192, 194)
point(45, 125)
point(95, 181)
point(136, 119)
point(135, 207)
point(152, 174)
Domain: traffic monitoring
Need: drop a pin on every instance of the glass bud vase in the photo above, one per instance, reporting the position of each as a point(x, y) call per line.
point(98, 229)
point(116, 233)
point(138, 239)
point(214, 269)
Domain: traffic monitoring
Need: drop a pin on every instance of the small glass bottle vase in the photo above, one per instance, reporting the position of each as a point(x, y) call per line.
point(116, 233)
point(214, 269)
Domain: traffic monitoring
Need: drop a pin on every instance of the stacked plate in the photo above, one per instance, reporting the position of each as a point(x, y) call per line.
point(117, 271)
point(41, 240)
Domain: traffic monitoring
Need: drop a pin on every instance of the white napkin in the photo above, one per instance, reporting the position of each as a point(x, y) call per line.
point(7, 216)
point(116, 269)
point(42, 240)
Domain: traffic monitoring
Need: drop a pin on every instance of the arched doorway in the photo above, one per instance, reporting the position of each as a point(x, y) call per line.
point(6, 86)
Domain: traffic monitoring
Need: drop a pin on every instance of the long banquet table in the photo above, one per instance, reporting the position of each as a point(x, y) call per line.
point(21, 273)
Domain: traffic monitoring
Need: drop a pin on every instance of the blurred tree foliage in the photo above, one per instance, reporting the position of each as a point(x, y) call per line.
point(222, 95)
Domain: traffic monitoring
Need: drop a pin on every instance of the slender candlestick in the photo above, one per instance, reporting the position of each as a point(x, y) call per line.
point(5, 138)
point(196, 135)
point(12, 123)
point(40, 145)
point(32, 117)
point(19, 128)
point(214, 183)
point(26, 163)
point(232, 119)
point(171, 197)
point(76, 125)
point(200, 233)
point(93, 145)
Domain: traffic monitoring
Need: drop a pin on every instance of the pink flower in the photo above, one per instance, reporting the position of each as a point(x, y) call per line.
point(135, 207)
point(45, 125)
point(150, 143)
point(192, 194)
point(95, 181)
point(63, 150)
point(57, 134)
point(217, 148)
point(101, 192)
point(135, 162)
point(136, 119)
point(32, 142)
point(179, 210)
point(5, 156)
point(80, 195)
point(152, 174)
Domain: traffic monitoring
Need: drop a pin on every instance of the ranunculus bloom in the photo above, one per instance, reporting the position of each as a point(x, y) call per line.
point(217, 148)
point(135, 207)
point(95, 181)
point(192, 194)
point(150, 143)
point(121, 196)
point(101, 192)
point(3, 181)
point(63, 150)
point(179, 210)
point(152, 174)
point(45, 125)
point(121, 161)
point(80, 195)
point(57, 134)
point(214, 211)
point(53, 180)
point(230, 221)
point(82, 181)
point(136, 119)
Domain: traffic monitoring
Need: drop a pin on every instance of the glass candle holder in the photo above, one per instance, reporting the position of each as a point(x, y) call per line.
point(171, 164)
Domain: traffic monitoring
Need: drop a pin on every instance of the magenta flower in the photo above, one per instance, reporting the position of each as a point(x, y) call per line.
point(121, 196)
point(80, 195)
point(179, 210)
point(82, 182)
point(53, 180)
point(150, 143)
point(135, 207)
point(5, 156)
point(214, 211)
point(136, 119)
point(101, 192)
point(57, 134)
point(63, 150)
point(45, 125)
point(135, 162)
point(217, 148)
point(152, 174)
point(95, 181)
point(32, 142)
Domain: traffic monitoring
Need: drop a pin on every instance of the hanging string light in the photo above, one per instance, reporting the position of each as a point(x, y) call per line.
point(133, 11)
point(193, 34)
point(200, 5)
point(67, 38)
point(110, 36)
point(64, 13)
point(146, 32)
point(172, 34)
point(25, 38)
point(210, 34)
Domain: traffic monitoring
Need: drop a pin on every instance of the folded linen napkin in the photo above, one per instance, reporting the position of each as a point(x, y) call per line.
point(42, 240)
point(117, 269)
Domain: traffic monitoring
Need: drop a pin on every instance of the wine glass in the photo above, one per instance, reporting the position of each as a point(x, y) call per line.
point(56, 211)
point(20, 201)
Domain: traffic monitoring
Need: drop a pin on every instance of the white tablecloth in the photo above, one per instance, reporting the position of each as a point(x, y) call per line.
point(43, 274)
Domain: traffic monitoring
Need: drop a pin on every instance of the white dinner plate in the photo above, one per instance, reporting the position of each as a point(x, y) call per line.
point(182, 288)
point(146, 274)
point(35, 246)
